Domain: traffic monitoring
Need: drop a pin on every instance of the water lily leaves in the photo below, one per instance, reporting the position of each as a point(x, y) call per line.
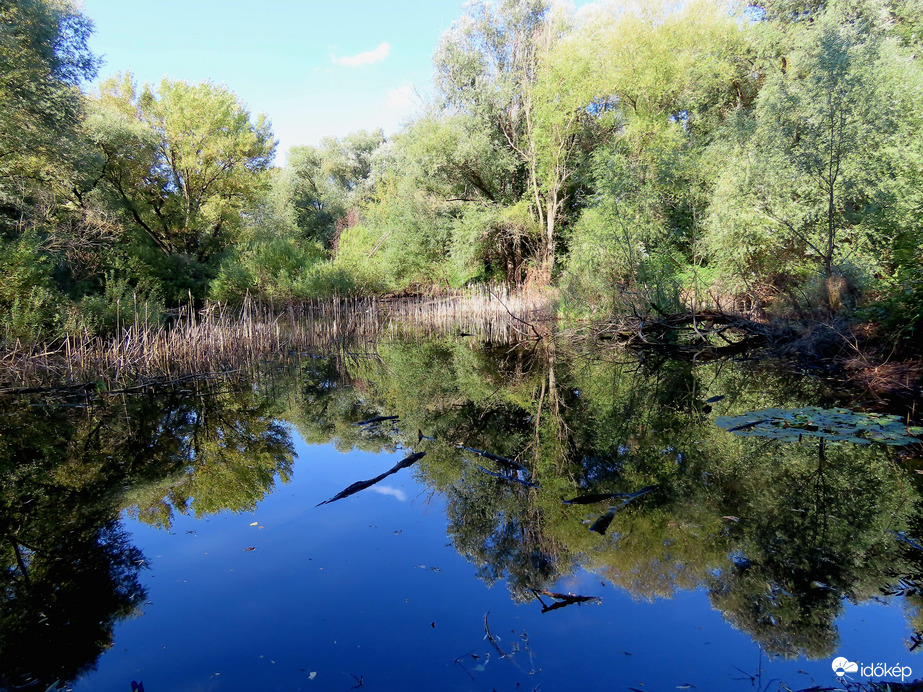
point(831, 424)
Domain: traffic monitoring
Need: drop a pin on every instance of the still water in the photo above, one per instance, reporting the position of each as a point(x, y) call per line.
point(175, 537)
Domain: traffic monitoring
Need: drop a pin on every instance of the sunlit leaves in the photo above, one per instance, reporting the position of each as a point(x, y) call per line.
point(184, 160)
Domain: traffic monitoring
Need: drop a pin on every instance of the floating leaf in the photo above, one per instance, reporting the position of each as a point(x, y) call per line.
point(833, 425)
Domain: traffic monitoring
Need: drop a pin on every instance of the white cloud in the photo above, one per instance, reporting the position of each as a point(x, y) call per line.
point(401, 99)
point(367, 58)
point(397, 493)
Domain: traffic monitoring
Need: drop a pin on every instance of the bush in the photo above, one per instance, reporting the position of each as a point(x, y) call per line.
point(118, 307)
point(30, 304)
point(274, 269)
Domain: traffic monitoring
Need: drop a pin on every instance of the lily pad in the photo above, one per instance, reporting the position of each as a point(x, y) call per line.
point(831, 424)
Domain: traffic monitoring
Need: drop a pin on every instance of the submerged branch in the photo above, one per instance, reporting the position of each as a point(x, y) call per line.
point(362, 485)
point(561, 600)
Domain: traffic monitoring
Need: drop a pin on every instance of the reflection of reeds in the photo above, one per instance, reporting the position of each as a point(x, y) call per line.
point(220, 339)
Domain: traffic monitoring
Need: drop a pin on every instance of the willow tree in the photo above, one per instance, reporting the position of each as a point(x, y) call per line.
point(812, 181)
point(662, 78)
point(43, 59)
point(487, 67)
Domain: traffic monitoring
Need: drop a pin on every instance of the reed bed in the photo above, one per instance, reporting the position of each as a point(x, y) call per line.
point(221, 339)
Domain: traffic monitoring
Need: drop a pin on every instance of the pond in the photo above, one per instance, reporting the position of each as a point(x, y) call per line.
point(214, 534)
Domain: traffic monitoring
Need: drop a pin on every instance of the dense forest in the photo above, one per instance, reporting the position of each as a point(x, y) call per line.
point(632, 155)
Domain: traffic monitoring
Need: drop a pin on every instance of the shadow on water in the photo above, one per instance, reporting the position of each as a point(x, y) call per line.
point(551, 459)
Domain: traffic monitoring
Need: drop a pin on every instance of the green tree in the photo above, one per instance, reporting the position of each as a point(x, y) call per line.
point(43, 59)
point(662, 80)
point(184, 163)
point(328, 182)
point(813, 173)
point(486, 67)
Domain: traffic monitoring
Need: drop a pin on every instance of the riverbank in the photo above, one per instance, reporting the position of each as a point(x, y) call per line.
point(854, 355)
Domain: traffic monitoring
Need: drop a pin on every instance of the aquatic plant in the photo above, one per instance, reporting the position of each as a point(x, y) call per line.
point(832, 425)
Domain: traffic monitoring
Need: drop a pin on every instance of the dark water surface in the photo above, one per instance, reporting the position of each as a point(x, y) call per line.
point(173, 537)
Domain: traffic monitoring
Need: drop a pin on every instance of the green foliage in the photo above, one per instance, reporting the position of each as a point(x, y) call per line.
point(43, 59)
point(324, 184)
point(118, 307)
point(280, 270)
point(666, 77)
point(29, 302)
point(358, 257)
point(812, 176)
point(268, 269)
point(645, 155)
point(405, 235)
point(622, 242)
point(183, 163)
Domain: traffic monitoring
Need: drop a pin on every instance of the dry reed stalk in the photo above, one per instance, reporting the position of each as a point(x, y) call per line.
point(220, 339)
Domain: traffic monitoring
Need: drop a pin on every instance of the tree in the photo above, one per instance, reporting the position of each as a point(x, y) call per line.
point(659, 82)
point(487, 65)
point(43, 58)
point(813, 173)
point(326, 183)
point(184, 163)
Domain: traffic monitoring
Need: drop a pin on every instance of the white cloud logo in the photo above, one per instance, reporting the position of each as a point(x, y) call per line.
point(841, 666)
point(367, 58)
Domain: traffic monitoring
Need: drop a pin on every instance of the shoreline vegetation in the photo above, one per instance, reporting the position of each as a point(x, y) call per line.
point(219, 341)
point(227, 339)
point(703, 180)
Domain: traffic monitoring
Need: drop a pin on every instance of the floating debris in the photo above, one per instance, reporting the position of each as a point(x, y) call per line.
point(508, 477)
point(601, 525)
point(593, 498)
point(904, 538)
point(495, 457)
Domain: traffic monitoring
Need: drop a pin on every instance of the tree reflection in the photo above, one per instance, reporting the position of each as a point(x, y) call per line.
point(779, 534)
point(69, 467)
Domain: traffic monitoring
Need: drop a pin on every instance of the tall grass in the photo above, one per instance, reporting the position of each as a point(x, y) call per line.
point(219, 339)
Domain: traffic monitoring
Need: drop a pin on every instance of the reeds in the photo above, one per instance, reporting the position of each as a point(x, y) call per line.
point(220, 339)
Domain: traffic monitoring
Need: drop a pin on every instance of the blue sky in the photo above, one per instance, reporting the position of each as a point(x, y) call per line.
point(315, 67)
